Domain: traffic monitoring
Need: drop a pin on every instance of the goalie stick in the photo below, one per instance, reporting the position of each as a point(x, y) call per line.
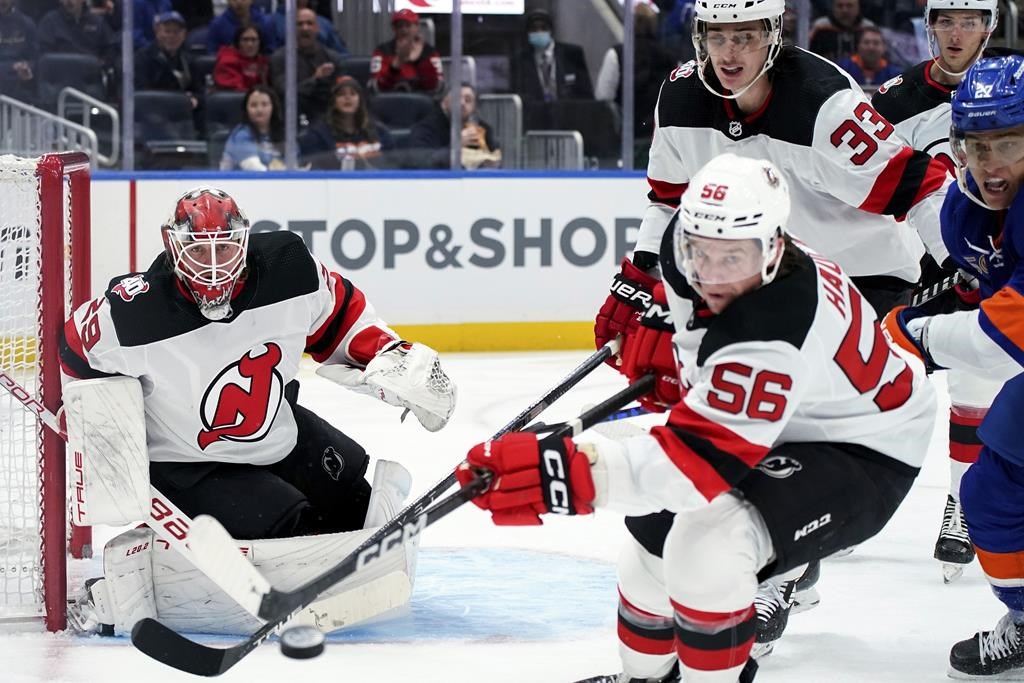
point(165, 519)
point(166, 646)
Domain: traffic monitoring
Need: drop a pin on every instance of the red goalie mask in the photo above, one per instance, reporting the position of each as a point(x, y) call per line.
point(206, 240)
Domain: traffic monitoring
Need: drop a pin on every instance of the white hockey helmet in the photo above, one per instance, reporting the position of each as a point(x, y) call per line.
point(731, 199)
point(990, 8)
point(737, 12)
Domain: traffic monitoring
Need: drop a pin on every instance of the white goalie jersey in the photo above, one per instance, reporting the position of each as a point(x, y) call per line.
point(215, 390)
point(802, 359)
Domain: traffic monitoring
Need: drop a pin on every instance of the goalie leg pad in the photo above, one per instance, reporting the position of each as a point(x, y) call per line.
point(106, 429)
point(127, 593)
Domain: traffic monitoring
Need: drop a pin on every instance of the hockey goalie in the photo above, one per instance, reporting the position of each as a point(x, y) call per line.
point(180, 393)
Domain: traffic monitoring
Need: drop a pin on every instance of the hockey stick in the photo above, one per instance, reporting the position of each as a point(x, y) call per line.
point(209, 540)
point(926, 294)
point(169, 523)
point(624, 414)
point(171, 648)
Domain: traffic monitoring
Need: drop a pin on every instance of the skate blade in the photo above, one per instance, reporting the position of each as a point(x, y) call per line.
point(951, 572)
point(805, 600)
point(762, 650)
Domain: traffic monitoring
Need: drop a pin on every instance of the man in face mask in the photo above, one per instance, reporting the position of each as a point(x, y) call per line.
point(546, 70)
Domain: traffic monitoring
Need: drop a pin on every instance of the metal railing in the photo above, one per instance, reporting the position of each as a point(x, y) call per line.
point(30, 132)
point(1010, 30)
point(89, 106)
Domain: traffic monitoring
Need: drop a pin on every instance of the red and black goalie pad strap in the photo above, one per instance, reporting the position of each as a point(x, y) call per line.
point(645, 632)
point(964, 442)
point(714, 641)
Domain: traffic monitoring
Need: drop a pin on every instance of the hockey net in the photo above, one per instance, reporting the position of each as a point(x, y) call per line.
point(44, 271)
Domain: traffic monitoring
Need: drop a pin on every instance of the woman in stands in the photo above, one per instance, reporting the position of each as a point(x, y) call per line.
point(257, 143)
point(347, 137)
point(241, 65)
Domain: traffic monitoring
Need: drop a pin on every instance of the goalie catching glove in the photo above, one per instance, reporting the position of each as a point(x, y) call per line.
point(405, 375)
point(531, 477)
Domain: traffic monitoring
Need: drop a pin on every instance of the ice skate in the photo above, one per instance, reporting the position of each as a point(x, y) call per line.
point(953, 547)
point(773, 604)
point(671, 677)
point(805, 593)
point(996, 655)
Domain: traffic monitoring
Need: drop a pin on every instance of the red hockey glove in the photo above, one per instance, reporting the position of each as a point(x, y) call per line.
point(630, 296)
point(649, 350)
point(531, 478)
point(907, 328)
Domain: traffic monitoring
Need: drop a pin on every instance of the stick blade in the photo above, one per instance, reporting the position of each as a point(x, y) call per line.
point(216, 554)
point(168, 647)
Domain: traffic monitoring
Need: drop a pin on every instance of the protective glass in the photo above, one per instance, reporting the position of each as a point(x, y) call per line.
point(717, 42)
point(707, 261)
point(965, 24)
point(974, 150)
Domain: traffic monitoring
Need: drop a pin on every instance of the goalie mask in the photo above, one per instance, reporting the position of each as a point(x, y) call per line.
point(728, 233)
point(206, 240)
point(767, 14)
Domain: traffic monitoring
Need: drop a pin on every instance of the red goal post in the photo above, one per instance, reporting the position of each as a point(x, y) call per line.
point(44, 273)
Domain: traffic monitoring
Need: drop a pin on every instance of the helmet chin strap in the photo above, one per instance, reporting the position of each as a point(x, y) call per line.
point(773, 52)
point(937, 58)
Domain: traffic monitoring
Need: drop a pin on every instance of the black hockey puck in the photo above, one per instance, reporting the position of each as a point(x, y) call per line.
point(302, 642)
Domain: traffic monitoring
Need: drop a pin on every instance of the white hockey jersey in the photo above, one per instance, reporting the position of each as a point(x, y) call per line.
point(849, 174)
point(919, 108)
point(800, 360)
point(215, 391)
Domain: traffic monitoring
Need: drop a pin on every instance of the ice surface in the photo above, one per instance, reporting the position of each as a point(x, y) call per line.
point(538, 604)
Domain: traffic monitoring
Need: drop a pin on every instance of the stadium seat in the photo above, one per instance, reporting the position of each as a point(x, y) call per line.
point(59, 70)
point(223, 111)
point(358, 67)
point(400, 109)
point(203, 74)
point(195, 41)
point(165, 131)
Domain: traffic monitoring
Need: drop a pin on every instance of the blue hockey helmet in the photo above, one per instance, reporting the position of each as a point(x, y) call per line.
point(990, 98)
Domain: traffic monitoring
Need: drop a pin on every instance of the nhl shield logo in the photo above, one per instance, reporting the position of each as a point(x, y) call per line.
point(735, 129)
point(779, 466)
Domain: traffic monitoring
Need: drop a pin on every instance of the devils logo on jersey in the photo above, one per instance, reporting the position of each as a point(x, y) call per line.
point(131, 287)
point(242, 402)
point(779, 466)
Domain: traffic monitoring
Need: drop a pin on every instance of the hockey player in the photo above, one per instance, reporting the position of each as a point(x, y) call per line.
point(798, 432)
point(213, 332)
point(848, 172)
point(983, 226)
point(917, 103)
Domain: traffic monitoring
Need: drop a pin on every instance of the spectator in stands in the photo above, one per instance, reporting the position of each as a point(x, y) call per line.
point(327, 36)
point(241, 66)
point(196, 12)
point(834, 36)
point(675, 28)
point(18, 53)
point(317, 69)
point(347, 137)
point(222, 29)
point(163, 64)
point(69, 28)
point(429, 139)
point(868, 65)
point(109, 11)
point(145, 11)
point(651, 66)
point(547, 70)
point(257, 143)
point(406, 62)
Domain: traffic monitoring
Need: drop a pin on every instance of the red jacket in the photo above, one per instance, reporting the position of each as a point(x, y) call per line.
point(236, 72)
point(423, 75)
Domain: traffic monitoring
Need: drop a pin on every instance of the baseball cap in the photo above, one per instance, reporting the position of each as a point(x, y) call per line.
point(168, 17)
point(405, 15)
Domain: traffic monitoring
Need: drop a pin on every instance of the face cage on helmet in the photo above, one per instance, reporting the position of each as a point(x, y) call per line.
point(772, 25)
point(933, 42)
point(770, 250)
point(196, 262)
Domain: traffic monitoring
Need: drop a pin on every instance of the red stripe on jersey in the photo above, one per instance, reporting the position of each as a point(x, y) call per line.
point(365, 345)
point(643, 613)
point(964, 452)
point(705, 478)
point(75, 345)
point(349, 314)
point(686, 418)
point(667, 191)
point(934, 178)
point(716, 619)
point(337, 286)
point(887, 182)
